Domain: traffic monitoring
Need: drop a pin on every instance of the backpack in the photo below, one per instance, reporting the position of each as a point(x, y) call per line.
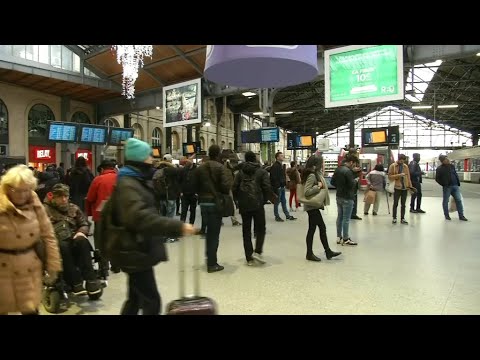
point(249, 195)
point(160, 184)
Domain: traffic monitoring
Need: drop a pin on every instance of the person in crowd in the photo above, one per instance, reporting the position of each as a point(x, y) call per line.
point(79, 182)
point(134, 196)
point(47, 180)
point(343, 180)
point(61, 172)
point(278, 179)
point(25, 228)
point(189, 198)
point(234, 169)
point(314, 181)
point(71, 229)
point(293, 177)
point(98, 193)
point(357, 171)
point(166, 186)
point(377, 180)
point(416, 180)
point(446, 176)
point(398, 172)
point(212, 178)
point(252, 188)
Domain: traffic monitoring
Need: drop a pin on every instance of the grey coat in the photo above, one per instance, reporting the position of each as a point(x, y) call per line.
point(312, 188)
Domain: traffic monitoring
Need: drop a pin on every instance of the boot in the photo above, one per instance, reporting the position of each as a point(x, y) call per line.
point(312, 257)
point(331, 254)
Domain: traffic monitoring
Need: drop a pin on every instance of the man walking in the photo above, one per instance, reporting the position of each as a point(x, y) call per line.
point(416, 178)
point(447, 177)
point(278, 178)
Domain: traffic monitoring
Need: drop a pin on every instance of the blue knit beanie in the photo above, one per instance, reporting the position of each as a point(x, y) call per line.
point(137, 150)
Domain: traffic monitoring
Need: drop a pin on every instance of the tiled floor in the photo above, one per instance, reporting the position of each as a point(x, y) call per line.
point(428, 267)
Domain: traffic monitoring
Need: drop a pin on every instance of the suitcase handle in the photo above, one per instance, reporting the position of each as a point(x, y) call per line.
point(196, 267)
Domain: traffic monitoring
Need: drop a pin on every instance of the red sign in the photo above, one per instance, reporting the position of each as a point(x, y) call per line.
point(87, 154)
point(42, 154)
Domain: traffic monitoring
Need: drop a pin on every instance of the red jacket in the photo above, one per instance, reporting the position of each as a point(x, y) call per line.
point(100, 190)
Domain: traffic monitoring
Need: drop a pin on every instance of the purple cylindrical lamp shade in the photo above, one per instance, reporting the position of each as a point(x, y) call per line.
point(261, 66)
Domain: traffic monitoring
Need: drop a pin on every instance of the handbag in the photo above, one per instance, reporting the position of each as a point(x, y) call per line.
point(315, 200)
point(391, 187)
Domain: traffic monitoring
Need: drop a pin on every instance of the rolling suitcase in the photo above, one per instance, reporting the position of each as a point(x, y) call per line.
point(195, 304)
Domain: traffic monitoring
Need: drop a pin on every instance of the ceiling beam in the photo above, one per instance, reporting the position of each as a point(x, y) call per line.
point(187, 59)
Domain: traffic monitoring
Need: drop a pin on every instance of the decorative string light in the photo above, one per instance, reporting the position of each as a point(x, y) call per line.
point(131, 59)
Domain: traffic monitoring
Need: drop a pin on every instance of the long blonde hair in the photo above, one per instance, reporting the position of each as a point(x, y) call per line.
point(14, 177)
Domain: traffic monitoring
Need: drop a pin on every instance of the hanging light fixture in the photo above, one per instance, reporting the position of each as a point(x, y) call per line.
point(131, 59)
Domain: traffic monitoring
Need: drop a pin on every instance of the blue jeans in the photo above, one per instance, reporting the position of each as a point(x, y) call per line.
point(455, 192)
point(344, 208)
point(281, 198)
point(167, 208)
point(213, 220)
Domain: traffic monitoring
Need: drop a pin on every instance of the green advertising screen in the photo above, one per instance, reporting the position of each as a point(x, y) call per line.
point(362, 74)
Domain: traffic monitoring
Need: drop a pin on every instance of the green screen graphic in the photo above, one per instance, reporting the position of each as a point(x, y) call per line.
point(364, 73)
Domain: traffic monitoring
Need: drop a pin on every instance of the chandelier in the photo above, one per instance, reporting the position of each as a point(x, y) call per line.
point(131, 58)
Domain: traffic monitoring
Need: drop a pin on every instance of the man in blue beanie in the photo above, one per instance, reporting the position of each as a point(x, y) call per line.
point(142, 245)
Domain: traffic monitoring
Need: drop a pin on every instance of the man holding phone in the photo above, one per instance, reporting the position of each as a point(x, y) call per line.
point(400, 173)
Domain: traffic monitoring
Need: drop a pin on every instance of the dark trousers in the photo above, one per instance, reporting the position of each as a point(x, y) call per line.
point(355, 204)
point(417, 196)
point(97, 241)
point(177, 202)
point(189, 201)
point(315, 219)
point(397, 195)
point(258, 217)
point(213, 221)
point(142, 294)
point(77, 261)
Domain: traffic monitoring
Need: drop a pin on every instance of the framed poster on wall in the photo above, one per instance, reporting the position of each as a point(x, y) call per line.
point(182, 103)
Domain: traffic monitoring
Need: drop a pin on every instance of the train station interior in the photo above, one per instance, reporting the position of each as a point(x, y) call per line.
point(59, 103)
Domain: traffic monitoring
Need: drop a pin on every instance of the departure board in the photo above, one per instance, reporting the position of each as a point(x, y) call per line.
point(93, 134)
point(119, 135)
point(62, 132)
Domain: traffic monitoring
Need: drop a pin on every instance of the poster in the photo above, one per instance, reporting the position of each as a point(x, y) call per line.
point(182, 103)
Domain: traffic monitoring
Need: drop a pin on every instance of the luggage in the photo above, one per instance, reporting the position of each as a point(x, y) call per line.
point(195, 304)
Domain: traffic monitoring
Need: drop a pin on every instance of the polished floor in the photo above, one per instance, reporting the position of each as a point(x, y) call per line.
point(431, 266)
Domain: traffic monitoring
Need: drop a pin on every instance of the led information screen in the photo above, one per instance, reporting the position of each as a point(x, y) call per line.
point(386, 136)
point(119, 135)
point(93, 134)
point(296, 141)
point(270, 135)
point(66, 132)
point(362, 74)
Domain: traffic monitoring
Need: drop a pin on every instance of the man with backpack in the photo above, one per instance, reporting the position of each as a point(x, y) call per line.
point(165, 184)
point(252, 189)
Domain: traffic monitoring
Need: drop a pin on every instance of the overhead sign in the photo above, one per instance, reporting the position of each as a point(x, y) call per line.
point(362, 74)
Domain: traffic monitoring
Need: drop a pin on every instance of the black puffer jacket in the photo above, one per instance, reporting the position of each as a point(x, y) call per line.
point(211, 174)
point(263, 188)
point(79, 182)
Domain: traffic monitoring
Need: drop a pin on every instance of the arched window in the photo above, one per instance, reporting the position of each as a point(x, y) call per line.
point(212, 142)
point(3, 120)
point(137, 131)
point(175, 141)
point(230, 146)
point(111, 122)
point(223, 145)
point(156, 137)
point(80, 117)
point(38, 117)
point(202, 143)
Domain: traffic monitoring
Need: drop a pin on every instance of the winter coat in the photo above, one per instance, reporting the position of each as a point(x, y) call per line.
point(263, 188)
point(394, 175)
point(312, 188)
point(21, 273)
point(211, 175)
point(100, 191)
point(79, 182)
point(76, 219)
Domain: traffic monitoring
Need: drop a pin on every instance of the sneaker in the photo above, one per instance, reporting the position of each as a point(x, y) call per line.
point(250, 262)
point(404, 222)
point(93, 287)
point(463, 218)
point(339, 240)
point(258, 257)
point(365, 213)
point(279, 219)
point(448, 217)
point(420, 211)
point(349, 242)
point(414, 211)
point(291, 218)
point(374, 214)
point(79, 290)
point(394, 221)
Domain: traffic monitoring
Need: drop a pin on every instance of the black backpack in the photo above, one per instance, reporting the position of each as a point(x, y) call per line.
point(160, 183)
point(249, 194)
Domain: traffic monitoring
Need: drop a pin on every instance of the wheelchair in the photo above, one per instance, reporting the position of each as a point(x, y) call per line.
point(55, 296)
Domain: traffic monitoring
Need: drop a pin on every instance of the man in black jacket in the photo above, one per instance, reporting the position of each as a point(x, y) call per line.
point(252, 189)
point(212, 178)
point(145, 228)
point(447, 177)
point(189, 198)
point(416, 178)
point(278, 178)
point(344, 181)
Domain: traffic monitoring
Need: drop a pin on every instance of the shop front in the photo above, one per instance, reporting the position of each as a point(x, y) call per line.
point(41, 156)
